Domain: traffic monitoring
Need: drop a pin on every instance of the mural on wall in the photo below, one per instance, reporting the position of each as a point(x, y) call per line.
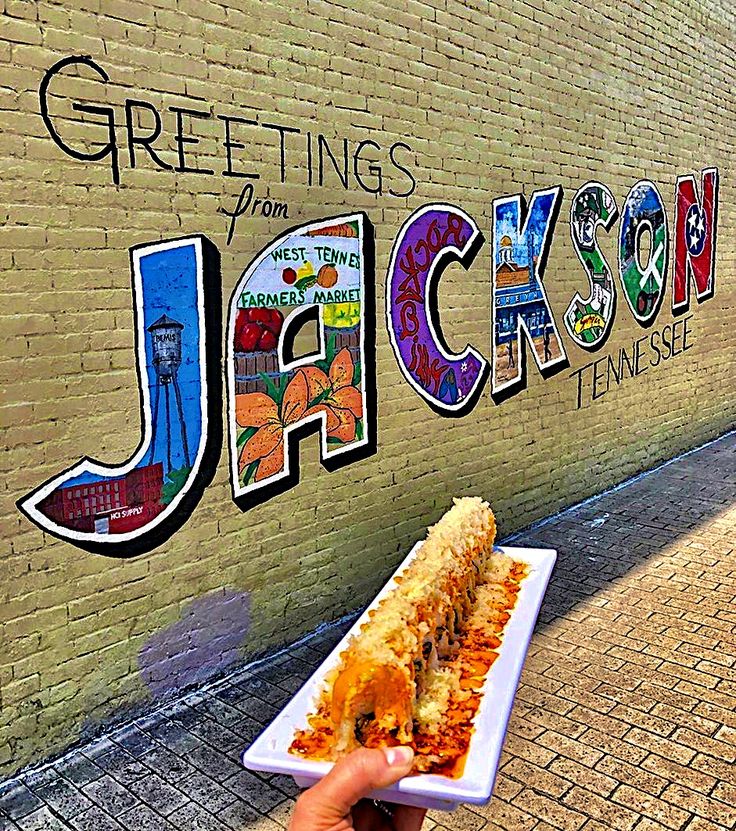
point(429, 240)
point(320, 272)
point(588, 320)
point(521, 241)
point(125, 509)
point(643, 283)
point(695, 238)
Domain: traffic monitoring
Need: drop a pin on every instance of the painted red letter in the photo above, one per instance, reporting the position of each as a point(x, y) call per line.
point(695, 238)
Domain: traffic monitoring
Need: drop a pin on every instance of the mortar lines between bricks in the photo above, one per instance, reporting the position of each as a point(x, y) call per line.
point(624, 718)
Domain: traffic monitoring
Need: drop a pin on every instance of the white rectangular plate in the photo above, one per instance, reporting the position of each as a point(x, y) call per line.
point(270, 751)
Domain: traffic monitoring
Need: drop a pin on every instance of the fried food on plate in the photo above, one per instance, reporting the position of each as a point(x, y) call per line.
point(413, 673)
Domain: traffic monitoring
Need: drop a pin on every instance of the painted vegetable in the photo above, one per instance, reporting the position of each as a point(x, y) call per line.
point(327, 276)
point(257, 329)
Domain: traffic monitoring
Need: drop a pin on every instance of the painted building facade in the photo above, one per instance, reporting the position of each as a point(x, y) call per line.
point(283, 278)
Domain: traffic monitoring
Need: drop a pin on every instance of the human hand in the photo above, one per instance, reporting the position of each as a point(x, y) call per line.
point(336, 803)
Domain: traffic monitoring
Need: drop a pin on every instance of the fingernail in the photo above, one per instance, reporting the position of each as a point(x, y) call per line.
point(398, 757)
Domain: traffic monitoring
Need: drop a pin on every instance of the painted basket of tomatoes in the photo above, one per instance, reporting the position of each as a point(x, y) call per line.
point(257, 333)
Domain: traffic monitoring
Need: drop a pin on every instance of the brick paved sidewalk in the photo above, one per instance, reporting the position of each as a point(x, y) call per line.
point(625, 717)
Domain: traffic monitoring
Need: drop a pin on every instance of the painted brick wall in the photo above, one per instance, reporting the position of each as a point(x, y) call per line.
point(493, 99)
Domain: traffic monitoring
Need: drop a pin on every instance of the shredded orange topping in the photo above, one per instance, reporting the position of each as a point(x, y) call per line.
point(444, 750)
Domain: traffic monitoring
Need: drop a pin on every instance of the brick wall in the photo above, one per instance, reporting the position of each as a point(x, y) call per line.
point(493, 99)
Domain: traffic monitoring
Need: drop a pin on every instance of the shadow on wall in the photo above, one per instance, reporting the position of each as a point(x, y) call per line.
point(598, 543)
point(202, 644)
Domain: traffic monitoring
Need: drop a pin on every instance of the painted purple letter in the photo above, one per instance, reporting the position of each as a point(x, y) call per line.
point(432, 237)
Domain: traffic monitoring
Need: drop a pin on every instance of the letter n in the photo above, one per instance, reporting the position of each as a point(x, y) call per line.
point(276, 396)
point(695, 238)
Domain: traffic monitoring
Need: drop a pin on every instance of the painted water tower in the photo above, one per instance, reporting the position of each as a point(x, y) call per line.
point(166, 347)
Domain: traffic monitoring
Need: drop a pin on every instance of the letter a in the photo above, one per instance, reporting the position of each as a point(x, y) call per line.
point(275, 398)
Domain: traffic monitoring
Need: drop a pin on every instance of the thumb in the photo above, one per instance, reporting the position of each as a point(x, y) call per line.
point(350, 780)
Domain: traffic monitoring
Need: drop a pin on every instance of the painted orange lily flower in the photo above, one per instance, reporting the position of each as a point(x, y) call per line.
point(333, 394)
point(342, 401)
